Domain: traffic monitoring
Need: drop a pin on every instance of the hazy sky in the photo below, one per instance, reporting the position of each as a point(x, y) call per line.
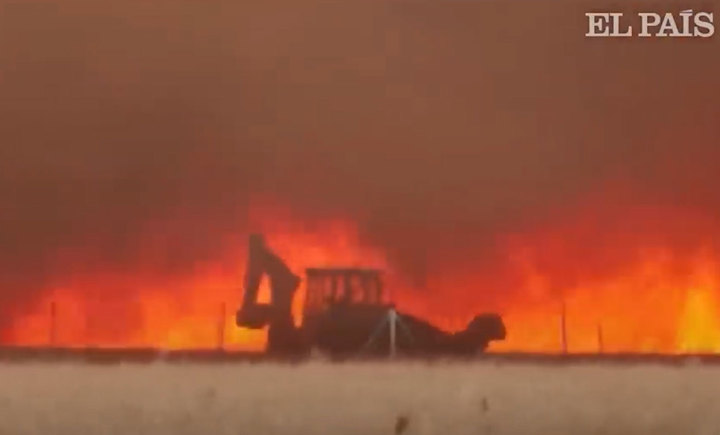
point(435, 124)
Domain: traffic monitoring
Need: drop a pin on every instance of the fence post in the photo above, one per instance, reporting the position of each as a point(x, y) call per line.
point(393, 331)
point(563, 327)
point(221, 327)
point(53, 324)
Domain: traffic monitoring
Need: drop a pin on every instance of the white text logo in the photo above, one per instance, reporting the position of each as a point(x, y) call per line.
point(686, 24)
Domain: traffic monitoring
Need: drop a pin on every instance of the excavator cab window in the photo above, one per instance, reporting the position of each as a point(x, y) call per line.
point(357, 290)
point(342, 286)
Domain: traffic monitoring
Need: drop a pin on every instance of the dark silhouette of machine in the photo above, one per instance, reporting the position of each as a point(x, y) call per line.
point(347, 312)
point(283, 337)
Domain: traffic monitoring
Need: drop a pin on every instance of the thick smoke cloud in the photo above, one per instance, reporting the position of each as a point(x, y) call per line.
point(435, 124)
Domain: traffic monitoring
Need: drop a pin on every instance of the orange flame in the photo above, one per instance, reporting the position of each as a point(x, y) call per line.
point(628, 279)
point(641, 293)
point(646, 309)
point(192, 312)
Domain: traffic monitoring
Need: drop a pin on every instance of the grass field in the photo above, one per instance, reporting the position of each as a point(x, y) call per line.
point(358, 398)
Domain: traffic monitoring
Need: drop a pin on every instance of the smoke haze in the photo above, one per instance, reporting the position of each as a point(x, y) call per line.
point(437, 126)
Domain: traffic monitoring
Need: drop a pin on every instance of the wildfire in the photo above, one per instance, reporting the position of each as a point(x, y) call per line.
point(644, 309)
point(621, 278)
point(190, 312)
point(624, 290)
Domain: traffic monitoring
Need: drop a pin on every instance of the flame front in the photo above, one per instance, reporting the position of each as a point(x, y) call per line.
point(195, 311)
point(635, 288)
point(647, 308)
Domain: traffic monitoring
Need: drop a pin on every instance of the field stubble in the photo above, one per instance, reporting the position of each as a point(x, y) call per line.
point(357, 398)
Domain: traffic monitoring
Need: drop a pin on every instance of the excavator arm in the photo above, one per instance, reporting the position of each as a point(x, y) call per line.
point(253, 275)
point(251, 313)
point(277, 315)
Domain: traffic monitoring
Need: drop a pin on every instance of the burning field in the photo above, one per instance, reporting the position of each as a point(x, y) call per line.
point(608, 277)
point(484, 155)
point(371, 398)
point(484, 163)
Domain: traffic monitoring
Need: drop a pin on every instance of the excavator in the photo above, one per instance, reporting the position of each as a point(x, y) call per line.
point(346, 312)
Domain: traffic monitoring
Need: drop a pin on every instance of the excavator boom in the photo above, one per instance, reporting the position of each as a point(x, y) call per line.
point(277, 316)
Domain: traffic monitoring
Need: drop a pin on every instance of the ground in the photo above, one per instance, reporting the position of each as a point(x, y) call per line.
point(358, 398)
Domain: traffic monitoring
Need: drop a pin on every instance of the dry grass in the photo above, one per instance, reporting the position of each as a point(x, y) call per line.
point(362, 398)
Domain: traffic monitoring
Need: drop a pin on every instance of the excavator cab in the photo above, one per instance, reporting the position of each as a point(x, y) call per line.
point(343, 306)
point(326, 287)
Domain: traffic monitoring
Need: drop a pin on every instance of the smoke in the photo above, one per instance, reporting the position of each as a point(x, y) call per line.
point(435, 125)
